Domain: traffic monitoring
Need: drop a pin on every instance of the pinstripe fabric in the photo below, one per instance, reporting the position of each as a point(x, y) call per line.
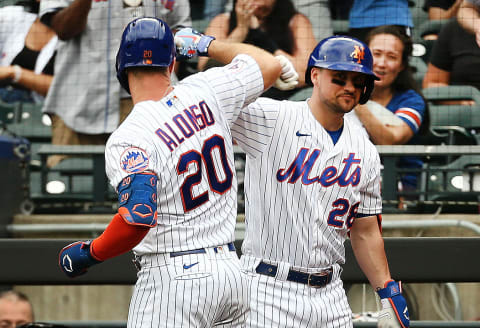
point(205, 295)
point(185, 139)
point(295, 214)
point(300, 190)
point(275, 302)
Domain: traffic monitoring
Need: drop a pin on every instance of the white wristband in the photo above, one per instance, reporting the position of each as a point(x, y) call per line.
point(18, 73)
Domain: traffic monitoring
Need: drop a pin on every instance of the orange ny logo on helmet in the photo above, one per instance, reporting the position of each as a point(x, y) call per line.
point(147, 57)
point(358, 53)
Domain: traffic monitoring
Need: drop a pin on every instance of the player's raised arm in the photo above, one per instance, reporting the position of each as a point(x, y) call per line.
point(191, 43)
point(69, 21)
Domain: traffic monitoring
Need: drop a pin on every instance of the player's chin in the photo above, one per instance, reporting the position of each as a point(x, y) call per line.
point(347, 102)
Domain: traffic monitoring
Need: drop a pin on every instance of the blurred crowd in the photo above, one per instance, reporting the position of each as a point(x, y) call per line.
point(59, 54)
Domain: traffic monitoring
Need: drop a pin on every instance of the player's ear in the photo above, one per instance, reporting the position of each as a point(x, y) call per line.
point(315, 75)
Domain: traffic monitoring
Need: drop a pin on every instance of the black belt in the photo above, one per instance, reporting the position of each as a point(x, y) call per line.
point(316, 280)
point(231, 247)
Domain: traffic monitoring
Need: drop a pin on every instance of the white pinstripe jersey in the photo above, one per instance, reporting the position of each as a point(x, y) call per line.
point(185, 139)
point(301, 190)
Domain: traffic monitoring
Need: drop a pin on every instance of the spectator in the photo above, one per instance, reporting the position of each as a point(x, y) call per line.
point(340, 9)
point(469, 17)
point(318, 12)
point(15, 309)
point(368, 14)
point(85, 101)
point(441, 9)
point(455, 58)
point(27, 49)
point(269, 24)
point(213, 8)
point(398, 93)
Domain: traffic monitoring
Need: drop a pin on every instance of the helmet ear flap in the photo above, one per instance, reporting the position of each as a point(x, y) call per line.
point(367, 91)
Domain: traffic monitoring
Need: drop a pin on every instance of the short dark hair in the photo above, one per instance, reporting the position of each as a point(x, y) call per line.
point(405, 80)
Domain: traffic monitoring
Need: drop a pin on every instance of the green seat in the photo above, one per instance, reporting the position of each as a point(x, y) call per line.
point(200, 24)
point(5, 3)
point(457, 181)
point(82, 175)
point(30, 123)
point(419, 68)
point(458, 124)
point(428, 27)
point(340, 26)
point(302, 94)
point(418, 17)
point(431, 27)
point(8, 112)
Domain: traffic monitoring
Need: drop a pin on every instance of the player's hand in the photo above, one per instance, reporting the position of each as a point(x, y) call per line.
point(288, 79)
point(75, 259)
point(245, 18)
point(394, 313)
point(190, 43)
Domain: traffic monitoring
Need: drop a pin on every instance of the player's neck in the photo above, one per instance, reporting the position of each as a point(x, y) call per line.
point(331, 121)
point(150, 87)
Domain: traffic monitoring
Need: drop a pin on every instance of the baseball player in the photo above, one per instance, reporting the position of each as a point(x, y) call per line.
point(310, 181)
point(172, 163)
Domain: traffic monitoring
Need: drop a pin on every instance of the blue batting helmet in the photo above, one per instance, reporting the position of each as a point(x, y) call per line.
point(343, 53)
point(146, 42)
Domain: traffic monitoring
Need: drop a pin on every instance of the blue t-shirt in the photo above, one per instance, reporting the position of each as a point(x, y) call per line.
point(410, 107)
point(372, 13)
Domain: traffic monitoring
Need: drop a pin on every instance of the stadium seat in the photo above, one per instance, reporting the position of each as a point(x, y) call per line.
point(302, 94)
point(8, 112)
point(429, 27)
point(418, 16)
point(456, 181)
point(31, 123)
point(425, 35)
point(340, 26)
point(5, 3)
point(419, 69)
point(200, 24)
point(77, 180)
point(456, 123)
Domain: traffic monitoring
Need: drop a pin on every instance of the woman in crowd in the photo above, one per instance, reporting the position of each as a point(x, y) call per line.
point(27, 51)
point(455, 58)
point(273, 25)
point(398, 93)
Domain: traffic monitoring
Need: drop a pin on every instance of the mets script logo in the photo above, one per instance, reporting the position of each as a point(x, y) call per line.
point(134, 160)
point(358, 53)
